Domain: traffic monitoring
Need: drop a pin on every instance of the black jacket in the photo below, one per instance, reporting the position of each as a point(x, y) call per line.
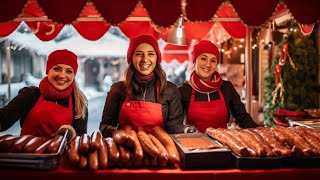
point(171, 104)
point(19, 107)
point(231, 98)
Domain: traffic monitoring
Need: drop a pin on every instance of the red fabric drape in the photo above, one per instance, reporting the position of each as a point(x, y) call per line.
point(114, 12)
point(10, 9)
point(163, 12)
point(197, 30)
point(305, 12)
point(45, 31)
point(8, 28)
point(254, 13)
point(135, 28)
point(179, 53)
point(62, 11)
point(235, 29)
point(91, 30)
point(202, 10)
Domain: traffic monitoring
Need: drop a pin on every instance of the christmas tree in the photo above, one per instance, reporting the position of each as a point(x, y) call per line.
point(301, 89)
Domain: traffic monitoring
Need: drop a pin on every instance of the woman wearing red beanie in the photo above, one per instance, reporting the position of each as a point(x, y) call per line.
point(206, 98)
point(145, 98)
point(56, 103)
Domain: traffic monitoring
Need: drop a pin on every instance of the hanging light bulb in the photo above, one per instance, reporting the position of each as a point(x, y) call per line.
point(176, 34)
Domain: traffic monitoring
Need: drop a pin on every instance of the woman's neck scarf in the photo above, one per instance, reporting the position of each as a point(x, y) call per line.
point(205, 86)
point(49, 91)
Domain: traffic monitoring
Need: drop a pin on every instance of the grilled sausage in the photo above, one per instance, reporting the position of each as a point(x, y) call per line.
point(6, 143)
point(20, 143)
point(84, 144)
point(124, 154)
point(93, 160)
point(167, 142)
point(113, 151)
point(4, 136)
point(103, 155)
point(43, 147)
point(73, 153)
point(95, 141)
point(226, 139)
point(137, 148)
point(147, 144)
point(83, 162)
point(119, 136)
point(33, 144)
point(55, 144)
point(163, 156)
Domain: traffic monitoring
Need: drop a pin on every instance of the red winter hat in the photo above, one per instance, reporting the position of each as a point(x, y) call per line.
point(205, 46)
point(136, 41)
point(62, 57)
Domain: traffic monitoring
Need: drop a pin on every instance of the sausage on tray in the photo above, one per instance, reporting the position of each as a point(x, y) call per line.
point(7, 142)
point(167, 142)
point(163, 156)
point(20, 143)
point(73, 152)
point(113, 151)
point(103, 155)
point(119, 136)
point(95, 140)
point(43, 147)
point(93, 160)
point(55, 144)
point(84, 144)
point(226, 139)
point(33, 144)
point(147, 144)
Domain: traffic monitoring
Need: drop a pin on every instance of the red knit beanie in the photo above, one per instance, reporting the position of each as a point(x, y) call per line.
point(136, 41)
point(205, 46)
point(62, 57)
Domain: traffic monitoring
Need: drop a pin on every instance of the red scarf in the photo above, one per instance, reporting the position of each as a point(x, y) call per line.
point(205, 87)
point(144, 77)
point(49, 91)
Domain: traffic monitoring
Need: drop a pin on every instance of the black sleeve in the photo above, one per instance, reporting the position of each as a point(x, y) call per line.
point(174, 123)
point(81, 125)
point(112, 106)
point(185, 90)
point(18, 107)
point(242, 118)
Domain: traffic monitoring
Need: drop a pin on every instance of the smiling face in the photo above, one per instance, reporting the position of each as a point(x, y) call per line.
point(144, 59)
point(206, 65)
point(61, 76)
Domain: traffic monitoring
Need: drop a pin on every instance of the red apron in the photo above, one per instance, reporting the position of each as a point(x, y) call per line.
point(204, 114)
point(140, 114)
point(46, 117)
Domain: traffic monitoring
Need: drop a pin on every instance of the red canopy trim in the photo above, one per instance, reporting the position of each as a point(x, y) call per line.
point(45, 31)
point(254, 13)
point(135, 28)
point(62, 11)
point(10, 9)
point(235, 29)
point(91, 30)
point(163, 12)
point(197, 30)
point(306, 29)
point(8, 28)
point(305, 12)
point(32, 9)
point(201, 10)
point(114, 12)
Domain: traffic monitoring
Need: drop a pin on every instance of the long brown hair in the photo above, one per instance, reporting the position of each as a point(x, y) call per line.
point(80, 102)
point(160, 75)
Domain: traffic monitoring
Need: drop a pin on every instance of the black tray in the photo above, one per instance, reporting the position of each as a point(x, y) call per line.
point(217, 158)
point(257, 162)
point(302, 162)
point(34, 161)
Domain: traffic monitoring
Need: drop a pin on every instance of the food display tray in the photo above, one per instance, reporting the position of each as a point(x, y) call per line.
point(256, 162)
point(216, 156)
point(302, 162)
point(34, 161)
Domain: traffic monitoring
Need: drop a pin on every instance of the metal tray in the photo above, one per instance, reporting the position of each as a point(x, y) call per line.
point(257, 162)
point(34, 161)
point(302, 162)
point(216, 156)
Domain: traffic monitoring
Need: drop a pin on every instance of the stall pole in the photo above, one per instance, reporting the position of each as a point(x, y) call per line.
point(248, 69)
point(8, 63)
